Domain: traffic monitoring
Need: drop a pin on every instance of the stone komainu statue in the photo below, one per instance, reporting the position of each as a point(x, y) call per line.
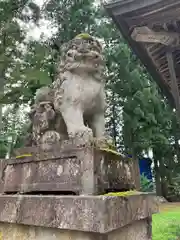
point(74, 105)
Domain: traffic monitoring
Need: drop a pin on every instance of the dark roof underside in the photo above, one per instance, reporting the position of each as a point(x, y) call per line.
point(158, 15)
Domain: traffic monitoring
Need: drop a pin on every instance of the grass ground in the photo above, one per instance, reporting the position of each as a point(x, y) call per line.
point(166, 224)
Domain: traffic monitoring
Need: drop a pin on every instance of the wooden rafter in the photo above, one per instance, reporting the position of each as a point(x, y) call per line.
point(174, 84)
point(144, 34)
point(151, 28)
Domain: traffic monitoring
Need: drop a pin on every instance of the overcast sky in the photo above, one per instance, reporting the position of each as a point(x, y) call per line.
point(45, 26)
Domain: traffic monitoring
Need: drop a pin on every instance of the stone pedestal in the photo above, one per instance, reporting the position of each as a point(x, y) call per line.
point(66, 168)
point(76, 217)
point(83, 172)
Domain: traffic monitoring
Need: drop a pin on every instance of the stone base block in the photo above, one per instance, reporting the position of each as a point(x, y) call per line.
point(66, 167)
point(135, 231)
point(76, 217)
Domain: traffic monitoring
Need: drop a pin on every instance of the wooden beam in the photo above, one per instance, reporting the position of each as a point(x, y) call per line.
point(120, 7)
point(160, 9)
point(174, 84)
point(146, 35)
point(159, 18)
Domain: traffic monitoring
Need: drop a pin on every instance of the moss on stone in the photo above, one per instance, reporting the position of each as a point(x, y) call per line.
point(24, 155)
point(105, 145)
point(110, 151)
point(122, 194)
point(85, 36)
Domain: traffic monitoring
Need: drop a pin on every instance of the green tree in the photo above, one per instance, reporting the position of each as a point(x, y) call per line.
point(12, 36)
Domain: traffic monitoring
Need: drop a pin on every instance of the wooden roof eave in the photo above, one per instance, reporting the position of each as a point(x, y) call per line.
point(121, 7)
point(141, 52)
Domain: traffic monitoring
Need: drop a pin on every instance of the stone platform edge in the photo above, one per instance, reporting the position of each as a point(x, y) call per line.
point(98, 214)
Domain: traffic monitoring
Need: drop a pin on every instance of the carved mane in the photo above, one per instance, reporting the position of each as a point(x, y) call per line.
point(82, 55)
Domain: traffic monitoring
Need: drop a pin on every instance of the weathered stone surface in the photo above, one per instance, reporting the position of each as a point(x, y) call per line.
point(21, 232)
point(73, 106)
point(161, 199)
point(138, 230)
point(66, 168)
point(98, 214)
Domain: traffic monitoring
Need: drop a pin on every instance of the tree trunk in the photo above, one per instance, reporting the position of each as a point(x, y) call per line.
point(136, 173)
point(158, 182)
point(114, 126)
point(163, 173)
point(2, 77)
point(1, 106)
point(157, 175)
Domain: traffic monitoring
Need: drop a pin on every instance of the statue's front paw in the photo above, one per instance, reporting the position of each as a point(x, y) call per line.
point(104, 142)
point(48, 139)
point(83, 134)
